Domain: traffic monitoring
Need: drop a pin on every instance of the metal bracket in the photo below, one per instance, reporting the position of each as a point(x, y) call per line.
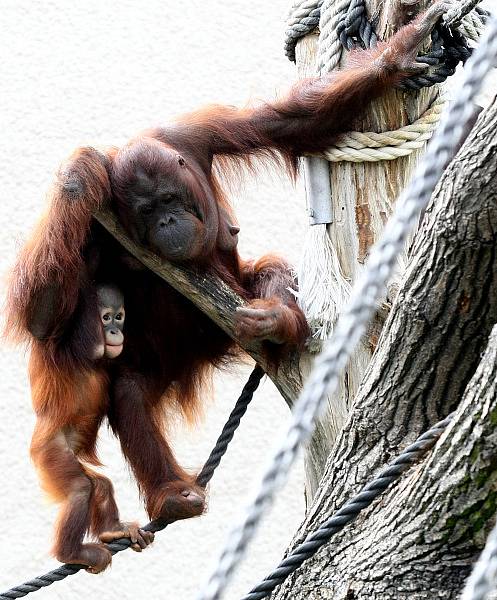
point(318, 190)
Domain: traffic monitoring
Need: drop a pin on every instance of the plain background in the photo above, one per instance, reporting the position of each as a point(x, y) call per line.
point(76, 73)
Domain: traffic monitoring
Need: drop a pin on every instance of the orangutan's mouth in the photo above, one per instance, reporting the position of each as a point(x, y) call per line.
point(113, 350)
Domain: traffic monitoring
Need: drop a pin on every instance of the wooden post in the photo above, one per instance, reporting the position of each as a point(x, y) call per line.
point(362, 198)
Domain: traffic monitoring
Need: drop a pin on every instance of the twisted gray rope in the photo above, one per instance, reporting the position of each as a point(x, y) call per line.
point(302, 19)
point(330, 47)
point(483, 579)
point(471, 24)
point(305, 16)
point(455, 16)
point(356, 28)
point(352, 323)
point(349, 511)
point(203, 479)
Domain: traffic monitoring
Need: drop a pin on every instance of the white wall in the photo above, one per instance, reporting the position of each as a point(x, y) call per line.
point(75, 73)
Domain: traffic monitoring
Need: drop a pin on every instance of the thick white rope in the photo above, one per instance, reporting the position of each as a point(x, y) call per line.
point(330, 47)
point(456, 14)
point(352, 323)
point(300, 11)
point(471, 26)
point(483, 579)
point(357, 146)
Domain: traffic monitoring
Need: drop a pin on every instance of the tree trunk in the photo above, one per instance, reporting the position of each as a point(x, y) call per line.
point(420, 539)
point(363, 195)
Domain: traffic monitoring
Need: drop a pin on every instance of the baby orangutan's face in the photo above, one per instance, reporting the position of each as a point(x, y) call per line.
point(111, 312)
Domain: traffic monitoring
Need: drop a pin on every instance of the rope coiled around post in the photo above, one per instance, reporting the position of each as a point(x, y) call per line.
point(357, 146)
point(352, 323)
point(349, 511)
point(203, 479)
point(303, 18)
point(344, 25)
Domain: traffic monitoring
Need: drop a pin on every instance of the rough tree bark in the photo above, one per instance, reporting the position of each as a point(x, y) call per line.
point(420, 539)
point(363, 195)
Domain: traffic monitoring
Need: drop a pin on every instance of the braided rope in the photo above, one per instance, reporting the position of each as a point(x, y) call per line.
point(358, 146)
point(472, 24)
point(452, 49)
point(483, 579)
point(303, 18)
point(203, 479)
point(352, 323)
point(330, 47)
point(456, 14)
point(355, 28)
point(336, 27)
point(230, 427)
point(349, 511)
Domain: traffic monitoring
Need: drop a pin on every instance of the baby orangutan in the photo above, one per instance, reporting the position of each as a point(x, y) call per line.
point(110, 304)
point(64, 440)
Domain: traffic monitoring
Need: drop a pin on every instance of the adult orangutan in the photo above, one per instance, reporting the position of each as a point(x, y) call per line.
point(163, 188)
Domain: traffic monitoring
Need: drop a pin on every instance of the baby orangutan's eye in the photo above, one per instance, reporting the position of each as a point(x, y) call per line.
point(147, 210)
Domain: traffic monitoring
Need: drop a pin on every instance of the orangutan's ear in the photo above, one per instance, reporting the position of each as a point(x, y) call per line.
point(227, 237)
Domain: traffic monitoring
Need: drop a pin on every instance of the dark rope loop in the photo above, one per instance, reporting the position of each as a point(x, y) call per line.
point(349, 511)
point(449, 46)
point(203, 479)
point(355, 30)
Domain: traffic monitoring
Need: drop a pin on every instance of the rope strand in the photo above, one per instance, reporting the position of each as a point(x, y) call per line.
point(349, 511)
point(203, 479)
